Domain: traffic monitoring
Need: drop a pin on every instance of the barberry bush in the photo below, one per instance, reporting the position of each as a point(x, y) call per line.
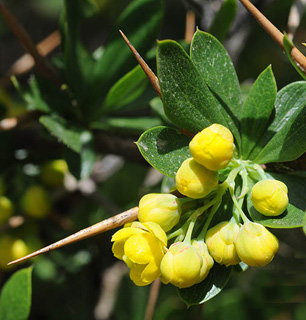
point(225, 160)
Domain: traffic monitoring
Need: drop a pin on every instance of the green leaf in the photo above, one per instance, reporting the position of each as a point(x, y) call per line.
point(283, 140)
point(165, 149)
point(187, 99)
point(65, 131)
point(257, 110)
point(294, 214)
point(32, 97)
point(157, 106)
point(140, 22)
point(288, 46)
point(224, 19)
point(87, 154)
point(126, 90)
point(216, 68)
point(304, 224)
point(214, 283)
point(15, 299)
point(77, 60)
point(135, 125)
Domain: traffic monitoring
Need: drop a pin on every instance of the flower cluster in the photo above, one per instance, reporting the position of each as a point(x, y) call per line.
point(163, 243)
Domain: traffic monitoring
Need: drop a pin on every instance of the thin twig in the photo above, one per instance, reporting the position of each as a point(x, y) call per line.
point(154, 291)
point(26, 41)
point(100, 227)
point(275, 34)
point(150, 74)
point(190, 26)
point(26, 62)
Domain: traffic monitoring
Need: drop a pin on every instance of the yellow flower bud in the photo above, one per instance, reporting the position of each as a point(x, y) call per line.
point(141, 247)
point(208, 261)
point(11, 249)
point(185, 265)
point(36, 202)
point(213, 147)
point(161, 208)
point(270, 197)
point(255, 245)
point(19, 249)
point(220, 243)
point(194, 180)
point(6, 209)
point(53, 172)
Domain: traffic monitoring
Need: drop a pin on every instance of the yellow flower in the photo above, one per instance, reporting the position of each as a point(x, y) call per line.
point(161, 208)
point(255, 245)
point(220, 243)
point(194, 180)
point(185, 265)
point(213, 147)
point(6, 209)
point(141, 247)
point(270, 197)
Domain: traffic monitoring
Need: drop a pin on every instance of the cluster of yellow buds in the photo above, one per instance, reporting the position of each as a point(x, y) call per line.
point(143, 245)
point(252, 243)
point(212, 149)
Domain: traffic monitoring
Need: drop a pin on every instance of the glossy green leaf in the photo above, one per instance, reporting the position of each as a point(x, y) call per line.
point(64, 131)
point(214, 283)
point(288, 46)
point(140, 22)
point(165, 149)
point(283, 140)
point(135, 125)
point(216, 68)
point(16, 295)
point(87, 154)
point(126, 90)
point(187, 99)
point(224, 19)
point(257, 110)
point(304, 224)
point(294, 214)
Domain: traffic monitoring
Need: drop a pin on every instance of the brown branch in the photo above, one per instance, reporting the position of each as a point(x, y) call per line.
point(190, 26)
point(26, 62)
point(26, 41)
point(154, 291)
point(150, 74)
point(100, 227)
point(275, 34)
